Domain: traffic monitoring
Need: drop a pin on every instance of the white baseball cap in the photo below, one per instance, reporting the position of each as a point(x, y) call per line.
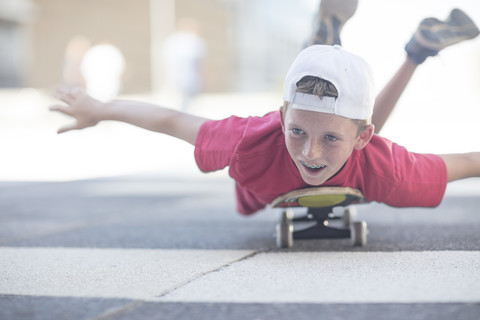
point(350, 74)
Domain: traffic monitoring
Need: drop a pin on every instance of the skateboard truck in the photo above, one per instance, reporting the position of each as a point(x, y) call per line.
point(316, 223)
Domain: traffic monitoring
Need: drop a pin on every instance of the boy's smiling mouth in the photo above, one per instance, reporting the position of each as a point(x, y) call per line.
point(313, 166)
point(313, 174)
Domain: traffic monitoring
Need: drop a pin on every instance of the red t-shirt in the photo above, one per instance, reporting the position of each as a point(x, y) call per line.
point(254, 150)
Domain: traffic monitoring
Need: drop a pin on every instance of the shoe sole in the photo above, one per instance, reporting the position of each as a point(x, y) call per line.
point(437, 35)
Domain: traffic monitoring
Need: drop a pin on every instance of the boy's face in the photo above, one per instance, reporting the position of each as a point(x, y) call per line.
point(320, 143)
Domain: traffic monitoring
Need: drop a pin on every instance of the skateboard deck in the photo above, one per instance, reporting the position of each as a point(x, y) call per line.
point(319, 197)
point(320, 202)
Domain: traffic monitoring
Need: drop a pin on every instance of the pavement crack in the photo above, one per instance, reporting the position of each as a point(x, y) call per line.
point(203, 274)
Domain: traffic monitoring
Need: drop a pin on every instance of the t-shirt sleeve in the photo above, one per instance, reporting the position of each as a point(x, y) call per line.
point(401, 178)
point(217, 141)
point(422, 179)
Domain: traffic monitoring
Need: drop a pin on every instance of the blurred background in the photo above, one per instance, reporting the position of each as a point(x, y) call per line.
point(232, 55)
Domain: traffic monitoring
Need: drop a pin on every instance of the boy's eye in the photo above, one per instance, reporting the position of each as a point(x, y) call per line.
point(297, 131)
point(331, 138)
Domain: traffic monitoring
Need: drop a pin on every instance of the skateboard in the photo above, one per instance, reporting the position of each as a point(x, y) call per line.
point(320, 202)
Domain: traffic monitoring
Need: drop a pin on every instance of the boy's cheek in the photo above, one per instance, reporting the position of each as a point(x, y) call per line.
point(291, 147)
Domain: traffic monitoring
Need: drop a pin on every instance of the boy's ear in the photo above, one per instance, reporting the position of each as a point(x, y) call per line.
point(282, 118)
point(365, 137)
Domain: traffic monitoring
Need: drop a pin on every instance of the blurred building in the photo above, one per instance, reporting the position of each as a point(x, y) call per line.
point(250, 42)
point(15, 16)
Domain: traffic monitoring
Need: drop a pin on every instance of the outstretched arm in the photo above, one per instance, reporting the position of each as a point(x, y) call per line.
point(462, 165)
point(88, 112)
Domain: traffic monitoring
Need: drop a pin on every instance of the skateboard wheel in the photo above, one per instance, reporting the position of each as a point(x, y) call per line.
point(284, 235)
point(359, 233)
point(349, 215)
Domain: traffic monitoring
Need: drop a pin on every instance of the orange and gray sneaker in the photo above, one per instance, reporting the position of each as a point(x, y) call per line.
point(432, 35)
point(329, 21)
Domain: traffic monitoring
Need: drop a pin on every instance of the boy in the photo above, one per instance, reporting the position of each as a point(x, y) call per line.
point(322, 135)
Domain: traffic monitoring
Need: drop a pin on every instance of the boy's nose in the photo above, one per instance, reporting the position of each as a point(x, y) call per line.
point(312, 150)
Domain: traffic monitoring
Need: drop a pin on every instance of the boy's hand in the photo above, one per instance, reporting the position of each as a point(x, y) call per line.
point(80, 106)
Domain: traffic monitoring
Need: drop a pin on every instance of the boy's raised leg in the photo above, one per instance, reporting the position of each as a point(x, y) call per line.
point(330, 19)
point(388, 97)
point(431, 36)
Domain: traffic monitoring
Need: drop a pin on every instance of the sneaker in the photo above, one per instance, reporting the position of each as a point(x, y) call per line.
point(330, 19)
point(433, 35)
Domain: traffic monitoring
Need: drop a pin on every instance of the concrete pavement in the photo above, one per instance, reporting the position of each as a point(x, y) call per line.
point(158, 247)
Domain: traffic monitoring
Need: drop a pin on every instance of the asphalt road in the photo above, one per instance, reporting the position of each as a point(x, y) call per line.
point(141, 247)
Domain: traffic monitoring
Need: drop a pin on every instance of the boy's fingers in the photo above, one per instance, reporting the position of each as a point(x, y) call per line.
point(70, 92)
point(62, 109)
point(68, 128)
point(65, 97)
point(62, 130)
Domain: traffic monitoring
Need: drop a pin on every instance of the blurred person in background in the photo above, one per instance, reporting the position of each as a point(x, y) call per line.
point(74, 53)
point(183, 53)
point(102, 67)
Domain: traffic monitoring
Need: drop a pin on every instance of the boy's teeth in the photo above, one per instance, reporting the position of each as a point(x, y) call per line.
point(313, 166)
